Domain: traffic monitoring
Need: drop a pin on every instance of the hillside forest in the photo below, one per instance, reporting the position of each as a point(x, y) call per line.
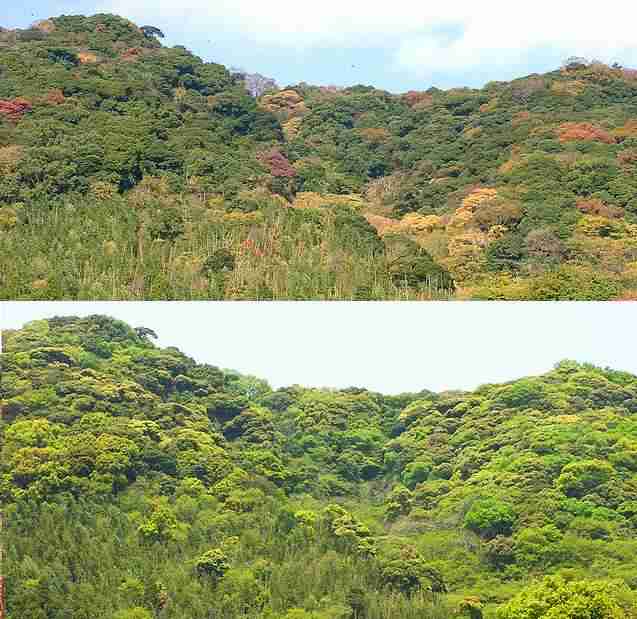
point(137, 483)
point(132, 170)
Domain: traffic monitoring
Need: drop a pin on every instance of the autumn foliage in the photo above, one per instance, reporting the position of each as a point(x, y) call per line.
point(288, 102)
point(9, 157)
point(518, 178)
point(597, 207)
point(570, 87)
point(87, 57)
point(478, 197)
point(383, 225)
point(417, 99)
point(576, 132)
point(628, 157)
point(629, 130)
point(375, 135)
point(55, 97)
point(44, 25)
point(277, 163)
point(131, 54)
point(520, 118)
point(14, 109)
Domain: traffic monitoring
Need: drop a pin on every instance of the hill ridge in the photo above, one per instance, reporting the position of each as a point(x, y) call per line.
point(430, 499)
point(519, 190)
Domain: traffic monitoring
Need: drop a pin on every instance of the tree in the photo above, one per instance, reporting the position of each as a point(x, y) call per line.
point(411, 265)
point(167, 225)
point(538, 547)
point(213, 563)
point(278, 164)
point(257, 84)
point(220, 261)
point(399, 502)
point(572, 63)
point(555, 598)
point(471, 606)
point(14, 109)
point(348, 532)
point(409, 572)
point(145, 333)
point(579, 478)
point(545, 246)
point(151, 31)
point(506, 253)
point(490, 517)
point(573, 132)
point(416, 472)
point(500, 551)
point(161, 525)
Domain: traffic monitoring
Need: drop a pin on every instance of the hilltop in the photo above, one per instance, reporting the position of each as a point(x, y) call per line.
point(133, 170)
point(139, 483)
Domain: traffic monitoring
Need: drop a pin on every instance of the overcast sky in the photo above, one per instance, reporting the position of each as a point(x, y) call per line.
point(398, 45)
point(386, 347)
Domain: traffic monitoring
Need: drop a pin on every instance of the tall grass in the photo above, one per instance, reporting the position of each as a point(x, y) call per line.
point(97, 251)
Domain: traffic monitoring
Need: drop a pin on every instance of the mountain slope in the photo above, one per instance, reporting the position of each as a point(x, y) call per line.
point(134, 477)
point(180, 184)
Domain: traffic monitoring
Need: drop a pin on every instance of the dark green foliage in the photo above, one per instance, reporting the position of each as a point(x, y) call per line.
point(471, 606)
point(166, 225)
point(63, 56)
point(152, 31)
point(579, 478)
point(220, 261)
point(353, 230)
point(574, 284)
point(411, 265)
point(409, 572)
point(505, 254)
point(95, 110)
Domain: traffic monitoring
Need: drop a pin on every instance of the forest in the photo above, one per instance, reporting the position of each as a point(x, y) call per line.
point(133, 170)
point(137, 483)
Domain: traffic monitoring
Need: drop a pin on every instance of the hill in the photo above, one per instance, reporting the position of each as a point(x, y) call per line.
point(138, 483)
point(133, 170)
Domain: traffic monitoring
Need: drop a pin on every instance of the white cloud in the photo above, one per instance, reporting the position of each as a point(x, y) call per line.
point(488, 33)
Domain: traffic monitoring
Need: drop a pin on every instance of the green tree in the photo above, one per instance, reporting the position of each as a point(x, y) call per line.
point(490, 517)
point(213, 563)
point(555, 598)
point(581, 477)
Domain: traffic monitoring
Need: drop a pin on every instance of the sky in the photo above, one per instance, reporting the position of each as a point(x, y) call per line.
point(398, 46)
point(386, 347)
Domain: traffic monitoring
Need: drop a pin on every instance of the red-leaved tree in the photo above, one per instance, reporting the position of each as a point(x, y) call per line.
point(14, 109)
point(572, 132)
point(278, 163)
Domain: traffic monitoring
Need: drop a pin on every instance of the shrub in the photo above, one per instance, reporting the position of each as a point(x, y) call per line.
point(490, 517)
point(579, 478)
point(554, 598)
point(573, 283)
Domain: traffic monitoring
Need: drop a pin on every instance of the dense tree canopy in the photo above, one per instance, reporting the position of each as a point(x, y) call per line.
point(518, 190)
point(139, 483)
